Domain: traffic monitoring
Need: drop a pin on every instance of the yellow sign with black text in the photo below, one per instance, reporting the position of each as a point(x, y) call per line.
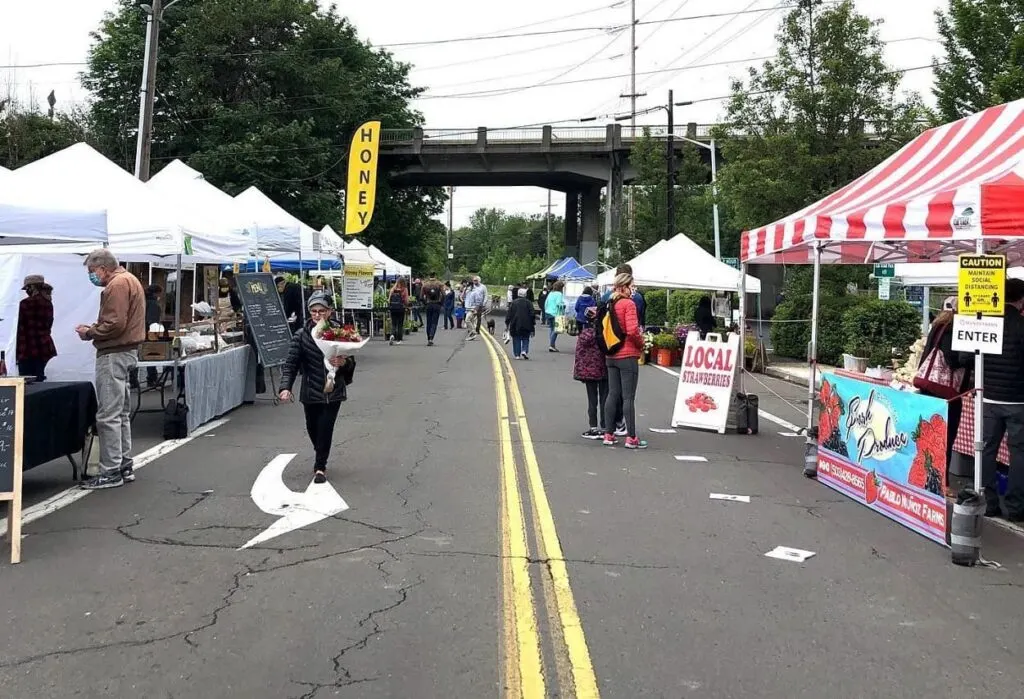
point(982, 284)
point(361, 193)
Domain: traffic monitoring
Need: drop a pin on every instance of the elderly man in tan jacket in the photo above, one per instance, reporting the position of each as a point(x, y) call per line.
point(117, 333)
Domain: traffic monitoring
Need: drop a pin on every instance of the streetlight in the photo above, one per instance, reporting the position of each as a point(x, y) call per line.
point(154, 15)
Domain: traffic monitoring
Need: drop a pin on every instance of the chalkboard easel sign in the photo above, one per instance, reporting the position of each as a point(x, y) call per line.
point(12, 425)
point(264, 313)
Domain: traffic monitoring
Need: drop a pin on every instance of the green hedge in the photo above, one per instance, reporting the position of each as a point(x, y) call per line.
point(873, 328)
point(655, 299)
point(679, 307)
point(790, 339)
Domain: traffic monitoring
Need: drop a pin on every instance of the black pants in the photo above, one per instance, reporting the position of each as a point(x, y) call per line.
point(623, 376)
point(433, 315)
point(397, 324)
point(954, 409)
point(997, 421)
point(449, 319)
point(597, 395)
point(33, 367)
point(320, 419)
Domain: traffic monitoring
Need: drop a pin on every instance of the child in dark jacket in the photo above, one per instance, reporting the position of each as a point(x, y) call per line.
point(589, 367)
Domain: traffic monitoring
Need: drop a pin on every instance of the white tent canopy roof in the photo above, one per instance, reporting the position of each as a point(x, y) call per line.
point(78, 177)
point(679, 263)
point(278, 233)
point(392, 267)
point(607, 277)
point(353, 254)
point(937, 273)
point(201, 206)
point(330, 241)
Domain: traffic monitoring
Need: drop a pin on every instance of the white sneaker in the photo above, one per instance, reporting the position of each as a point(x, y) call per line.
point(621, 431)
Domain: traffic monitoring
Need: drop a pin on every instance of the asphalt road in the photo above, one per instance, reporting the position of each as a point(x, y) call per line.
point(489, 551)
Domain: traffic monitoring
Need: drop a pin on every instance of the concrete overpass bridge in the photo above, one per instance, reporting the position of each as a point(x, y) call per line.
point(578, 161)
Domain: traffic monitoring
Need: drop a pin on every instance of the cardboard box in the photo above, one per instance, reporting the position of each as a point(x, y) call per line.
point(155, 352)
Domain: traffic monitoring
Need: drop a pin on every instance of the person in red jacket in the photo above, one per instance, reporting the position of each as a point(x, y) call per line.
point(624, 365)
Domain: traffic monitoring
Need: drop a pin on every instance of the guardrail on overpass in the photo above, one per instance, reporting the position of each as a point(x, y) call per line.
point(593, 135)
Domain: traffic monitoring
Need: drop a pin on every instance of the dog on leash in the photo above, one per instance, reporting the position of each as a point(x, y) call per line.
point(490, 325)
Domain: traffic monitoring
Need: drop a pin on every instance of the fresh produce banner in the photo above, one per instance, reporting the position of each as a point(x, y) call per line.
point(705, 382)
point(885, 449)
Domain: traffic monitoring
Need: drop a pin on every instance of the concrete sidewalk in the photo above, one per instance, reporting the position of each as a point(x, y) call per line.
point(794, 372)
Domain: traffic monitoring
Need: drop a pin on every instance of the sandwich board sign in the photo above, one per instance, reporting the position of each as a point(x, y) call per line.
point(12, 424)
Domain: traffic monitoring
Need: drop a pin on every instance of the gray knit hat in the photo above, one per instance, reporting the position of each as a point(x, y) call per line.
point(319, 298)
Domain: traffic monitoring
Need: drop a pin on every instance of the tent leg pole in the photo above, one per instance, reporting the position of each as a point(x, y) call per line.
point(151, 274)
point(926, 302)
point(979, 405)
point(812, 350)
point(743, 326)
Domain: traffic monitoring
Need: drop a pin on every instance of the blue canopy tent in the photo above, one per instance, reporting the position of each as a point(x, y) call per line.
point(289, 265)
point(568, 269)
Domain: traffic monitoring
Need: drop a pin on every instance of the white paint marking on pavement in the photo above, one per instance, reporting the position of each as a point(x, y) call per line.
point(790, 434)
point(296, 510)
point(766, 415)
point(591, 473)
point(730, 498)
point(692, 458)
point(663, 430)
point(784, 553)
point(74, 494)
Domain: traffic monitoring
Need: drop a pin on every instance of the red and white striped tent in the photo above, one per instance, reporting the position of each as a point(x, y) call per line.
point(929, 202)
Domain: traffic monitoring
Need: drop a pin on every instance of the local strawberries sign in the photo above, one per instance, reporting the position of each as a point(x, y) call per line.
point(885, 449)
point(705, 382)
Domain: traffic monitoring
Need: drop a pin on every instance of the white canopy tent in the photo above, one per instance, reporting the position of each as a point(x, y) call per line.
point(201, 206)
point(278, 234)
point(392, 267)
point(330, 242)
point(607, 277)
point(355, 252)
point(679, 263)
point(138, 221)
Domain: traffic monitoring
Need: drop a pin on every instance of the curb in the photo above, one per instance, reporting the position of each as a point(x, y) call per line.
point(784, 376)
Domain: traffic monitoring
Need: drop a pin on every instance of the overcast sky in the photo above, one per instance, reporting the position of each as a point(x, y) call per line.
point(34, 32)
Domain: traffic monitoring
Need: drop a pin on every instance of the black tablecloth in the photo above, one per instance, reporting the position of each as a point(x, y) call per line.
point(57, 418)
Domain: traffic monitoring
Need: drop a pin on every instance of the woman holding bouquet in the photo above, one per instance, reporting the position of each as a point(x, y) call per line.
point(321, 396)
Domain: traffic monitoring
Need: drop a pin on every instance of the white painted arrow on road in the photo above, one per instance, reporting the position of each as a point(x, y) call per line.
point(296, 510)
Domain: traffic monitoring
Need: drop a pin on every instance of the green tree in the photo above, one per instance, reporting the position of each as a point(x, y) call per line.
point(691, 195)
point(984, 61)
point(265, 94)
point(820, 114)
point(27, 135)
point(505, 267)
point(492, 230)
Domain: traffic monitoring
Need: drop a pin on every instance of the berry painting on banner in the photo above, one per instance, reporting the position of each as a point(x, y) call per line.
point(885, 449)
point(705, 382)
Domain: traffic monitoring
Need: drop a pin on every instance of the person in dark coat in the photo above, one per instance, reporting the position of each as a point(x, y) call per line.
point(449, 306)
point(35, 347)
point(703, 317)
point(521, 324)
point(1004, 409)
point(589, 368)
point(319, 405)
point(153, 316)
point(291, 298)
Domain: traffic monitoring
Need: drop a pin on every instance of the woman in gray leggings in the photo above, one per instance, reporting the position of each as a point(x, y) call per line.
point(624, 365)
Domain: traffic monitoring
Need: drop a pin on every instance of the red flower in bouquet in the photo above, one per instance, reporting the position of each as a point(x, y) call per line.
point(929, 466)
point(347, 333)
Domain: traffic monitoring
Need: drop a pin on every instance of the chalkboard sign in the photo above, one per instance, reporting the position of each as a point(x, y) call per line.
point(12, 410)
point(265, 316)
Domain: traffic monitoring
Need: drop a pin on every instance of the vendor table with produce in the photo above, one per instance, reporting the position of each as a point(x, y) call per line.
point(214, 383)
point(58, 418)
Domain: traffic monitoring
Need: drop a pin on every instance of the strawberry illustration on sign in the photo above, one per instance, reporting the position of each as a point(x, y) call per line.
point(871, 486)
point(702, 402)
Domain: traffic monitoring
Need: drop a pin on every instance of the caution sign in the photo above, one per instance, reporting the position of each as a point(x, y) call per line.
point(982, 282)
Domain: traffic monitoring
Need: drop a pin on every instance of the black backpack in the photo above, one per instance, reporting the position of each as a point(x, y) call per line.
point(176, 419)
point(433, 294)
point(609, 334)
point(396, 300)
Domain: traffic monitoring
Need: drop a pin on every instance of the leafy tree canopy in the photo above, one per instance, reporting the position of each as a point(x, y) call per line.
point(262, 93)
point(493, 234)
point(984, 62)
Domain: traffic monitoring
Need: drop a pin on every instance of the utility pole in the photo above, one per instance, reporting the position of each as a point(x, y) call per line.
point(632, 97)
point(670, 204)
point(144, 144)
point(448, 236)
point(549, 225)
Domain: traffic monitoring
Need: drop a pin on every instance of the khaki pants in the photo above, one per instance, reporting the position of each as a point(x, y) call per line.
point(113, 412)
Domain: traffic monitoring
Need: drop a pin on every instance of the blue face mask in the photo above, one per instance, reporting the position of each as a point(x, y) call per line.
point(95, 279)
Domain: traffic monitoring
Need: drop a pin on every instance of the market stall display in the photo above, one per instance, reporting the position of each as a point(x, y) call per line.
point(59, 417)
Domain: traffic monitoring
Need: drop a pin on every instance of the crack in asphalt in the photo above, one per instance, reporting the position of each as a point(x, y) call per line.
point(342, 673)
point(200, 498)
point(543, 561)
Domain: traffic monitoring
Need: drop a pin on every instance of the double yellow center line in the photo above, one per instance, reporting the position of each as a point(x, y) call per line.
point(523, 642)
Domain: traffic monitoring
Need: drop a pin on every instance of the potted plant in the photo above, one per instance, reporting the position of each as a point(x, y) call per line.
point(665, 344)
point(648, 347)
point(749, 351)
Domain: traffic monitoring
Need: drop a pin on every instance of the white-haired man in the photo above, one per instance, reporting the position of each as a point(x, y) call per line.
point(476, 307)
point(117, 333)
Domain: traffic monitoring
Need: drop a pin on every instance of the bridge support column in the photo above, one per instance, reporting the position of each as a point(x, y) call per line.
point(613, 204)
point(590, 240)
point(572, 224)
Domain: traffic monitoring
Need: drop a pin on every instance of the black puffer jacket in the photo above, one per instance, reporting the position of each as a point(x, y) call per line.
point(1004, 373)
point(306, 358)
